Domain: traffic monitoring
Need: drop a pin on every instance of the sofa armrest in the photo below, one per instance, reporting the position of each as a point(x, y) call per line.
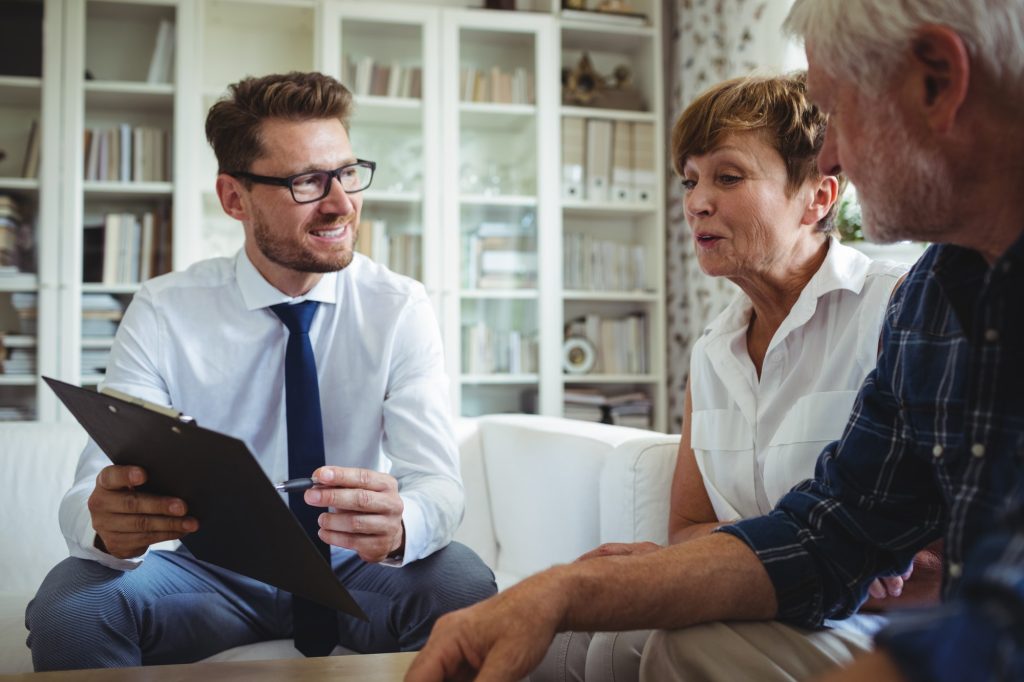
point(477, 528)
point(635, 486)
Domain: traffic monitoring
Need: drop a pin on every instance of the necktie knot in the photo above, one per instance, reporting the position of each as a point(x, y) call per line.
point(296, 317)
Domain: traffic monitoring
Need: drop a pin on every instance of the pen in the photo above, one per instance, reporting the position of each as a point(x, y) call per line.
point(295, 485)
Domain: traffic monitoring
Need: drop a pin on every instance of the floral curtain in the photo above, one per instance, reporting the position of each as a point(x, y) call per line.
point(708, 41)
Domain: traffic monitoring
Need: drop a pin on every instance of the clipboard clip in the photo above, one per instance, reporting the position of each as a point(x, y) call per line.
point(159, 409)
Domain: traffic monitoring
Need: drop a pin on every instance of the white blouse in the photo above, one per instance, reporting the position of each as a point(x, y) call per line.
point(756, 439)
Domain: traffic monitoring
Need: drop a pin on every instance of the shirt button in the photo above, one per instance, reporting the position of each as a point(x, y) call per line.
point(937, 451)
point(978, 450)
point(991, 335)
point(955, 570)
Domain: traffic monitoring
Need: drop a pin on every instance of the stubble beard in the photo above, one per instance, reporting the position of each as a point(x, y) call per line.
point(283, 252)
point(911, 195)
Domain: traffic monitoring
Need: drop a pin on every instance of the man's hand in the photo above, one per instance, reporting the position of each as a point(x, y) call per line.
point(500, 639)
point(620, 549)
point(365, 510)
point(128, 522)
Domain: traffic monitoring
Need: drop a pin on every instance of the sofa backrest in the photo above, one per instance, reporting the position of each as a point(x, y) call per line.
point(636, 484)
point(37, 465)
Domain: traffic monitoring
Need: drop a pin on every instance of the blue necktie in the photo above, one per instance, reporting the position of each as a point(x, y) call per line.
point(316, 626)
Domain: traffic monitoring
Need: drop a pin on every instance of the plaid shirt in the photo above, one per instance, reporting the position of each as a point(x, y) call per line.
point(934, 448)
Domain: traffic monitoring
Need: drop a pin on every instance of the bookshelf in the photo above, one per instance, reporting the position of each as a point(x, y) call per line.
point(462, 110)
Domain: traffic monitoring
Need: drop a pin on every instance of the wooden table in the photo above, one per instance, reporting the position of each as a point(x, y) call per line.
point(361, 668)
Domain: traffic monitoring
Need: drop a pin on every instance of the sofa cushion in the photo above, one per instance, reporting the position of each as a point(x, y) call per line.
point(37, 465)
point(636, 484)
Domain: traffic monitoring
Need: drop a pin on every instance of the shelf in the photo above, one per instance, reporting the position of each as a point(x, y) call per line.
point(129, 96)
point(127, 190)
point(20, 91)
point(499, 379)
point(610, 379)
point(19, 341)
point(24, 281)
point(19, 184)
point(611, 114)
point(582, 208)
point(97, 341)
point(17, 380)
point(616, 296)
point(92, 379)
point(386, 197)
point(578, 34)
point(498, 200)
point(498, 294)
point(98, 288)
point(401, 111)
point(498, 117)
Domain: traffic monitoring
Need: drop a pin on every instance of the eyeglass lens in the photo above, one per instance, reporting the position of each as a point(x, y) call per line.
point(313, 186)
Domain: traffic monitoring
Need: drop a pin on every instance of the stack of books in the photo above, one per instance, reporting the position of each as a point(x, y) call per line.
point(496, 86)
point(127, 153)
point(608, 161)
point(625, 409)
point(486, 350)
point(101, 314)
point(18, 361)
point(126, 248)
point(24, 304)
point(501, 256)
point(598, 265)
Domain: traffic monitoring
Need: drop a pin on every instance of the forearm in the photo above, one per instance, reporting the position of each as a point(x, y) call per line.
point(709, 579)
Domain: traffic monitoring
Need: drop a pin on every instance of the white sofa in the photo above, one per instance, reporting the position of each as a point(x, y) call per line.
point(539, 491)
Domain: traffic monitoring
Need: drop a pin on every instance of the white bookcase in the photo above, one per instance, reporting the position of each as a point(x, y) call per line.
point(468, 196)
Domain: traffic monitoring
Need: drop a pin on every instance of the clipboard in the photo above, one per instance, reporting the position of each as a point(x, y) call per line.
point(244, 525)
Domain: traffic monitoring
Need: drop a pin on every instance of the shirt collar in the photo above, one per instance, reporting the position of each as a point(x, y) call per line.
point(843, 268)
point(258, 293)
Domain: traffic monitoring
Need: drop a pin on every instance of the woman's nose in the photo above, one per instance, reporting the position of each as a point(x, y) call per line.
point(697, 201)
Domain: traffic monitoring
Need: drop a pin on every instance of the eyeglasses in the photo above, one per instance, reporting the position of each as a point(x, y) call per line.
point(315, 185)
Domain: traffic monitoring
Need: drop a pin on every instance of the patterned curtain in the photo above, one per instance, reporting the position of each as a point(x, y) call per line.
point(709, 41)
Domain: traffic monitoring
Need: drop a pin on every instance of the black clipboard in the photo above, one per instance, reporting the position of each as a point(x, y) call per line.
point(244, 525)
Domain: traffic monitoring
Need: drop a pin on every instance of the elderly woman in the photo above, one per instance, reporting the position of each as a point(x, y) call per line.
point(774, 376)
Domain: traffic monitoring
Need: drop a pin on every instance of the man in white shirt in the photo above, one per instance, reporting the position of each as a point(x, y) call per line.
point(209, 342)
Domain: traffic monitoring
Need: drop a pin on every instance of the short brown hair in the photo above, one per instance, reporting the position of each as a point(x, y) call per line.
point(233, 123)
point(778, 107)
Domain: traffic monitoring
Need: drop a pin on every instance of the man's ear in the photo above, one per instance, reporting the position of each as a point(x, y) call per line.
point(229, 191)
point(826, 193)
point(941, 68)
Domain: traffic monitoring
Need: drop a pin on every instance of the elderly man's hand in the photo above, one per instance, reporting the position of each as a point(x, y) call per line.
point(498, 640)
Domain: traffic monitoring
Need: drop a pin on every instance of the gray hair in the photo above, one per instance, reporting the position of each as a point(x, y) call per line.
point(866, 39)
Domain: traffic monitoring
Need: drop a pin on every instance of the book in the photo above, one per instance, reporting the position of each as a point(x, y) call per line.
point(30, 166)
point(161, 64)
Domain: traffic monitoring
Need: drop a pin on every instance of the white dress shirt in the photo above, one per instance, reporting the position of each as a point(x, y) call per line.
point(205, 342)
point(755, 439)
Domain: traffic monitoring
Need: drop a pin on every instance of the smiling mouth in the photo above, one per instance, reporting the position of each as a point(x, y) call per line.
point(332, 233)
point(707, 238)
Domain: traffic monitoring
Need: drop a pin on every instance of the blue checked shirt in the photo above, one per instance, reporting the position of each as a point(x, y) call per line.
point(934, 448)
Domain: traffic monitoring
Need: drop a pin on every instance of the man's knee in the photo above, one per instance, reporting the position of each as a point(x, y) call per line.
point(454, 577)
point(79, 604)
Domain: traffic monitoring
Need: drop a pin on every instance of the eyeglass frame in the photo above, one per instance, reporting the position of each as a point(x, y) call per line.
point(287, 181)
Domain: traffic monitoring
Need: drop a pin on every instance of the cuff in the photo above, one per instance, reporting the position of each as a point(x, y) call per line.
point(415, 535)
point(793, 573)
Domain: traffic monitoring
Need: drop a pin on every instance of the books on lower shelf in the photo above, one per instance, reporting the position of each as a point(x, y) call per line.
point(18, 361)
point(101, 314)
point(126, 153)
point(25, 307)
point(401, 252)
point(621, 343)
point(17, 238)
point(126, 248)
point(489, 350)
point(501, 256)
point(365, 76)
point(600, 265)
point(632, 408)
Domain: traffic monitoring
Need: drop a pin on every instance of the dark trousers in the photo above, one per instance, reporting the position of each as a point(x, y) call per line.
point(177, 609)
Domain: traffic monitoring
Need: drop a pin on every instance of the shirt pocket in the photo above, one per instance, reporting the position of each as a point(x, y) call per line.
point(816, 417)
point(718, 430)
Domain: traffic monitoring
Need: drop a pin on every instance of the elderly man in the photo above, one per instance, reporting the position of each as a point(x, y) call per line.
point(925, 98)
